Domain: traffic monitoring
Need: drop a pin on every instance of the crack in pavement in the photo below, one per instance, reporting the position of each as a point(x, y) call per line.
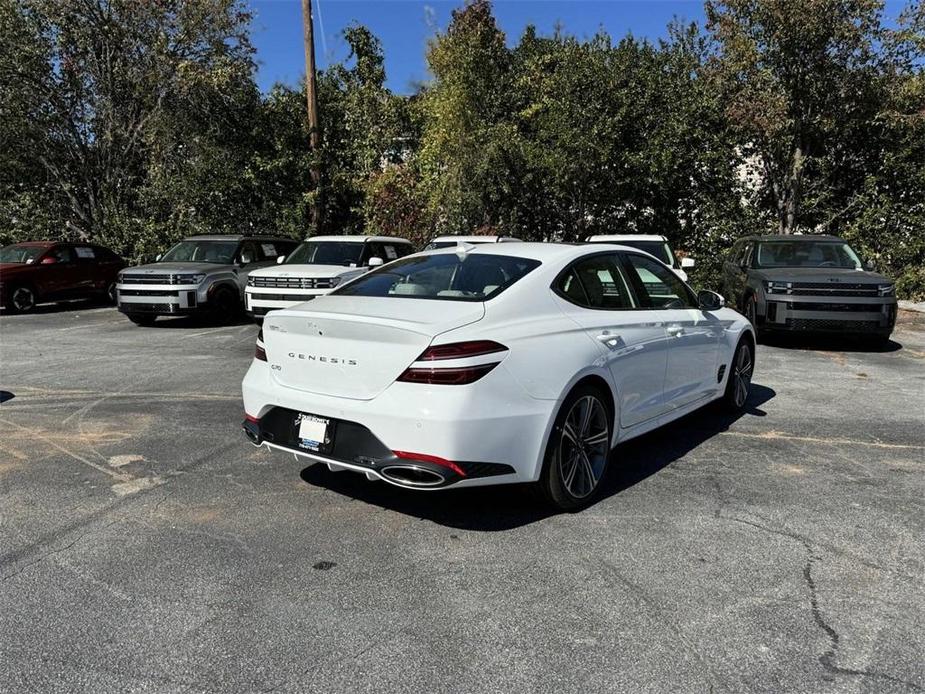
point(42, 557)
point(827, 659)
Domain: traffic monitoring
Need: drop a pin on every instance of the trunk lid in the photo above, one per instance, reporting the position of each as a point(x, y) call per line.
point(355, 347)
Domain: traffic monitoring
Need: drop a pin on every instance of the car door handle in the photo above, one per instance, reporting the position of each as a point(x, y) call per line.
point(609, 339)
point(675, 330)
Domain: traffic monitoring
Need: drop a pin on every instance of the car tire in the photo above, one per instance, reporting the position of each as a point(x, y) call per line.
point(739, 382)
point(577, 451)
point(110, 294)
point(22, 299)
point(226, 306)
point(143, 319)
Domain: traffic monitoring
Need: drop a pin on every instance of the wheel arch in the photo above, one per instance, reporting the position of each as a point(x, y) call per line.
point(590, 377)
point(224, 284)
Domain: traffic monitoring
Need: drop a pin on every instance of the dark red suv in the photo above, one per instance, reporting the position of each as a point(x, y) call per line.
point(35, 272)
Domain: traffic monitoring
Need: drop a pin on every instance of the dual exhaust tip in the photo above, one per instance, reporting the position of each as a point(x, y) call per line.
point(412, 476)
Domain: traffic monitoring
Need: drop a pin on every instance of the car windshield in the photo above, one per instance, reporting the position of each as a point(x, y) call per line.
point(219, 252)
point(446, 276)
point(806, 254)
point(18, 253)
point(326, 253)
point(659, 249)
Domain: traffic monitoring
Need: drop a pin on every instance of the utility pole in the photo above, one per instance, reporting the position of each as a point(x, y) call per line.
point(311, 93)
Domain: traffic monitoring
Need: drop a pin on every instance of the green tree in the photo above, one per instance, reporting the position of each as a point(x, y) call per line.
point(469, 156)
point(794, 78)
point(124, 94)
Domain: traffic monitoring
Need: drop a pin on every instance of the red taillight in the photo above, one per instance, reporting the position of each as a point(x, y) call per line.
point(424, 458)
point(447, 377)
point(461, 350)
point(259, 352)
point(452, 375)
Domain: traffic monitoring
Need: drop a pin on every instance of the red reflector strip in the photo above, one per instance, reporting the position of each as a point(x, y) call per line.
point(461, 350)
point(251, 418)
point(424, 458)
point(447, 377)
point(260, 353)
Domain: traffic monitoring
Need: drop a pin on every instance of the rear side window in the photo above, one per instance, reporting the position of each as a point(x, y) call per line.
point(446, 276)
point(596, 282)
point(660, 285)
point(268, 250)
point(64, 254)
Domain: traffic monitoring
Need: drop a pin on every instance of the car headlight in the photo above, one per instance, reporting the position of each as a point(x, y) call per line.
point(886, 290)
point(190, 279)
point(772, 287)
point(335, 281)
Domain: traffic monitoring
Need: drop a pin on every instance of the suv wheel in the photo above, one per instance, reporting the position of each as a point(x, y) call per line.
point(22, 299)
point(578, 450)
point(225, 306)
point(751, 309)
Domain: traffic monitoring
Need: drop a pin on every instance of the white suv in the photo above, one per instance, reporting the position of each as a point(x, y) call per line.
point(653, 244)
point(316, 267)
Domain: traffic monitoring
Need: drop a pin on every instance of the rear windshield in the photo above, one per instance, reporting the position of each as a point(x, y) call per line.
point(446, 276)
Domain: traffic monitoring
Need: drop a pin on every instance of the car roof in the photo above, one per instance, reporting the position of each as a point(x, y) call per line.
point(793, 237)
point(535, 250)
point(355, 238)
point(599, 238)
point(474, 238)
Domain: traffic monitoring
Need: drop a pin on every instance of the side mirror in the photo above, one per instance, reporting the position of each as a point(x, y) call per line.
point(710, 301)
point(375, 261)
point(687, 263)
point(280, 260)
point(49, 260)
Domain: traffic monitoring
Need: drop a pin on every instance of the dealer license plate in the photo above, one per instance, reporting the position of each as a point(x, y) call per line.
point(313, 433)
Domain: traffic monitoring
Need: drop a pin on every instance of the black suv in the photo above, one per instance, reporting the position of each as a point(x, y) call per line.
point(809, 283)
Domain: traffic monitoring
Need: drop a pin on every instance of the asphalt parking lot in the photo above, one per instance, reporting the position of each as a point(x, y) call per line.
point(146, 546)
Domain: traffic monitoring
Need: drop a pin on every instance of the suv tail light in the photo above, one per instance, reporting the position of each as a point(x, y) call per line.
point(259, 352)
point(453, 375)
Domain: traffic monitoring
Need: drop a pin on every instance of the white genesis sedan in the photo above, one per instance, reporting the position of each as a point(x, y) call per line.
point(494, 364)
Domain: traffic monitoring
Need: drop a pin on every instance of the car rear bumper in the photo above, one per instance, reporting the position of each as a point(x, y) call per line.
point(865, 315)
point(491, 430)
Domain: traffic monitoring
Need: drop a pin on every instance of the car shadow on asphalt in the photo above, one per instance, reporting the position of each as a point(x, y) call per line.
point(504, 507)
point(830, 343)
point(192, 322)
point(62, 307)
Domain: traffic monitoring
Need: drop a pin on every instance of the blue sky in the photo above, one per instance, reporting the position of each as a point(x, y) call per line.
point(404, 27)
